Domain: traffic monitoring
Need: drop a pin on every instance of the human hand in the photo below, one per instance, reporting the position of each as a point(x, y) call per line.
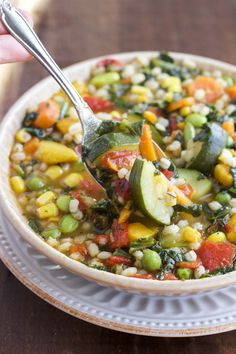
point(10, 50)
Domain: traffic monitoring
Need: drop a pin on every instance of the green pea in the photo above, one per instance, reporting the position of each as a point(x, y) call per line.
point(223, 197)
point(189, 133)
point(63, 203)
point(68, 224)
point(229, 81)
point(35, 183)
point(230, 142)
point(151, 260)
point(54, 233)
point(196, 119)
point(105, 79)
point(184, 273)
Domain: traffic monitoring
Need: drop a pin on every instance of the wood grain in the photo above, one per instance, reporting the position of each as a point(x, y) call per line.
point(73, 31)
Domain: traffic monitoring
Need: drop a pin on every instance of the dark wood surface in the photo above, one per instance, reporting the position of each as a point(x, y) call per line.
point(75, 30)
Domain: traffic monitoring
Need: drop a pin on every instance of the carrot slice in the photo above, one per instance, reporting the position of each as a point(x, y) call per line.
point(48, 113)
point(31, 146)
point(190, 265)
point(228, 126)
point(147, 148)
point(231, 91)
point(187, 101)
point(213, 89)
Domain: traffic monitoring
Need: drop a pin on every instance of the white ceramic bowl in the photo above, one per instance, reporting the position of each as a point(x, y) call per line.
point(8, 203)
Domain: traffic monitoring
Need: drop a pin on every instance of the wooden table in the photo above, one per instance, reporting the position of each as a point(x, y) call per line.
point(205, 27)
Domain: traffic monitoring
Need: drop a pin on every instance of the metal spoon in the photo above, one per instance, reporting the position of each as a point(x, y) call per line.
point(19, 28)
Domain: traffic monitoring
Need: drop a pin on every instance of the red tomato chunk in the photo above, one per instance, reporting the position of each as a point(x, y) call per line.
point(98, 104)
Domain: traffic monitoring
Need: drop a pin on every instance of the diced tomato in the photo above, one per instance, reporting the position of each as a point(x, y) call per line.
point(104, 63)
point(122, 188)
point(116, 160)
point(168, 174)
point(213, 89)
point(118, 260)
point(170, 276)
point(81, 249)
point(91, 188)
point(119, 237)
point(186, 189)
point(143, 276)
point(102, 240)
point(78, 149)
point(173, 123)
point(216, 255)
point(97, 104)
point(190, 265)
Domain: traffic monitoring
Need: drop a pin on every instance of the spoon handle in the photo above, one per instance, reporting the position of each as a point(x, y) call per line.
point(19, 28)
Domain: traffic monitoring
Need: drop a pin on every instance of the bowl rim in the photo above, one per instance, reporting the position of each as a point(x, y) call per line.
point(12, 211)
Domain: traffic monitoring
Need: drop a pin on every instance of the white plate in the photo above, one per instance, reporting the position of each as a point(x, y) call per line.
point(192, 315)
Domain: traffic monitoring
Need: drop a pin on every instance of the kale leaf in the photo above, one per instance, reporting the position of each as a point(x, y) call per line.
point(194, 209)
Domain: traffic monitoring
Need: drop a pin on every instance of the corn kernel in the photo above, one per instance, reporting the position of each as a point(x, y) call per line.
point(124, 215)
point(169, 97)
point(172, 83)
point(22, 136)
point(63, 125)
point(185, 111)
point(222, 175)
point(73, 179)
point(45, 198)
point(150, 117)
point(142, 98)
point(181, 125)
point(54, 172)
point(190, 235)
point(115, 114)
point(140, 90)
point(231, 235)
point(18, 184)
point(47, 211)
point(217, 237)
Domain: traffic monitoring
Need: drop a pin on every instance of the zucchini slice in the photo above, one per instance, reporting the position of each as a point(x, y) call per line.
point(201, 185)
point(111, 142)
point(149, 191)
point(205, 153)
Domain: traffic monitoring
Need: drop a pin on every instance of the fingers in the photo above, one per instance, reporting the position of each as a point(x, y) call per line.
point(26, 14)
point(11, 51)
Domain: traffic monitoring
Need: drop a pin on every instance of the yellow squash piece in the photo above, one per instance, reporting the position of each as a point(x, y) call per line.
point(231, 235)
point(217, 237)
point(52, 153)
point(138, 230)
point(222, 175)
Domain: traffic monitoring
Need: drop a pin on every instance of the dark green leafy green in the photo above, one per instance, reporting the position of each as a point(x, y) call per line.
point(29, 118)
point(194, 209)
point(39, 133)
point(142, 243)
point(219, 214)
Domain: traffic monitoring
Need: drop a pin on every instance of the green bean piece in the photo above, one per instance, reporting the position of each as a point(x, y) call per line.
point(54, 233)
point(196, 119)
point(35, 184)
point(68, 224)
point(63, 203)
point(151, 260)
point(105, 79)
point(64, 109)
point(223, 197)
point(184, 273)
point(189, 133)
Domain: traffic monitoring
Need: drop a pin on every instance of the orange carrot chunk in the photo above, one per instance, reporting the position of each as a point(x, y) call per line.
point(228, 126)
point(31, 146)
point(231, 91)
point(213, 89)
point(187, 101)
point(147, 148)
point(48, 113)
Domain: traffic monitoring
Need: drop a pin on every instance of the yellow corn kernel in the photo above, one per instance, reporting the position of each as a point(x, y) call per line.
point(81, 88)
point(124, 215)
point(18, 184)
point(217, 237)
point(190, 235)
point(138, 230)
point(63, 125)
point(231, 235)
point(53, 153)
point(140, 90)
point(47, 211)
point(22, 136)
point(172, 83)
point(73, 179)
point(169, 97)
point(150, 117)
point(222, 175)
point(45, 198)
point(185, 111)
point(181, 125)
point(142, 98)
point(54, 172)
point(115, 114)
